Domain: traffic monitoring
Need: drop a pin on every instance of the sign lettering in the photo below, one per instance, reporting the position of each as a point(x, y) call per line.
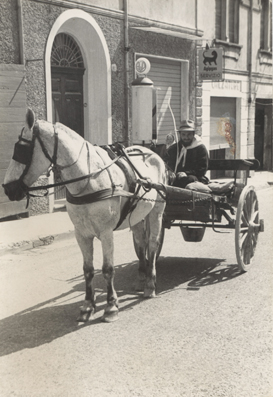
point(210, 64)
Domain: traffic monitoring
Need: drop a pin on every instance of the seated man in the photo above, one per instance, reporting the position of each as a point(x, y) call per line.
point(191, 162)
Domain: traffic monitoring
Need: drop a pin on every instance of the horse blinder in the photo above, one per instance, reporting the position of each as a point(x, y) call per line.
point(23, 153)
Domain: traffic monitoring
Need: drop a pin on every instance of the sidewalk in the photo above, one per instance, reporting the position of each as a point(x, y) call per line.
point(44, 229)
point(27, 233)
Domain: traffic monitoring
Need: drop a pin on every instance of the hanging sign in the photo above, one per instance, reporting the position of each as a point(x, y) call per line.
point(210, 64)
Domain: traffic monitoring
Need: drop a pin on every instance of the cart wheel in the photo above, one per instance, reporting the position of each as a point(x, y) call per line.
point(247, 227)
point(161, 239)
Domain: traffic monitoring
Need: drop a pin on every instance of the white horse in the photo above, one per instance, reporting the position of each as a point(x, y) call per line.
point(42, 144)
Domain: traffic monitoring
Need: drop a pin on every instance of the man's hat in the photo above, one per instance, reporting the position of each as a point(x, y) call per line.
point(187, 125)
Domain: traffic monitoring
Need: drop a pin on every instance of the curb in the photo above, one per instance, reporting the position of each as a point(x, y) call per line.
point(41, 241)
point(51, 238)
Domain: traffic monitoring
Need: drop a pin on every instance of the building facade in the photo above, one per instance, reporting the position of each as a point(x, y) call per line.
point(74, 62)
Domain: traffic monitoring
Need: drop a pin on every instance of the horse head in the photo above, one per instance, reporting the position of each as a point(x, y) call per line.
point(27, 163)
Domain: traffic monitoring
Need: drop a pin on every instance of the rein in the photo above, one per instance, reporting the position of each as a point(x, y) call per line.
point(23, 154)
point(80, 178)
point(54, 165)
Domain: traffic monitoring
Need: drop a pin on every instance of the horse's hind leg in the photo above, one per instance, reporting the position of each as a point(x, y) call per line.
point(107, 242)
point(88, 308)
point(140, 242)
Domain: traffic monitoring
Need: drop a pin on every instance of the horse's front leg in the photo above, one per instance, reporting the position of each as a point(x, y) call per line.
point(107, 242)
point(88, 308)
point(140, 242)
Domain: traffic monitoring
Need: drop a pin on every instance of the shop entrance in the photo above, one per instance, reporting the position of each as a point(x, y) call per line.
point(263, 134)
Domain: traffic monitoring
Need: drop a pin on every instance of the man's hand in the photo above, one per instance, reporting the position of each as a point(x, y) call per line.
point(181, 175)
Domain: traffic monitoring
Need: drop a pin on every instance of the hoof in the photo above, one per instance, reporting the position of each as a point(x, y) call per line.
point(149, 293)
point(87, 313)
point(110, 315)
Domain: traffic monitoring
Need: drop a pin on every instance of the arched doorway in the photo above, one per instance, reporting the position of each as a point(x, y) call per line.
point(97, 114)
point(67, 69)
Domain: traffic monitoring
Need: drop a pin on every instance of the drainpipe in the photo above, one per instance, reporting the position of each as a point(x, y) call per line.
point(21, 35)
point(250, 51)
point(126, 61)
point(250, 74)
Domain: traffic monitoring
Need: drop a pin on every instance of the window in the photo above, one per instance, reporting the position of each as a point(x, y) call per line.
point(227, 20)
point(266, 25)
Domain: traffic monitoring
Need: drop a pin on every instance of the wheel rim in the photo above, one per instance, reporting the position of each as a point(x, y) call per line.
point(247, 227)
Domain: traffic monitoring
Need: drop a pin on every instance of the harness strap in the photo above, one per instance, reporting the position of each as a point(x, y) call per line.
point(130, 176)
point(108, 171)
point(80, 178)
point(97, 196)
point(52, 159)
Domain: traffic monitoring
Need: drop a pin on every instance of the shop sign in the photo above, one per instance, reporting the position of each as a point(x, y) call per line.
point(210, 64)
point(142, 66)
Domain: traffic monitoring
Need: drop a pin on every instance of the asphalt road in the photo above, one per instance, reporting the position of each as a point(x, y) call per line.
point(207, 334)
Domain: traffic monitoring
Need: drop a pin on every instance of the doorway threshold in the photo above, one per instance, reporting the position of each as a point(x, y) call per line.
point(59, 205)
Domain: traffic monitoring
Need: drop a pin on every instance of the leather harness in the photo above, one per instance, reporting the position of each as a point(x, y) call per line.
point(115, 191)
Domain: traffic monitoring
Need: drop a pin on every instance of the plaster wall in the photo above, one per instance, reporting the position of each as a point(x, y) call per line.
point(175, 12)
point(9, 34)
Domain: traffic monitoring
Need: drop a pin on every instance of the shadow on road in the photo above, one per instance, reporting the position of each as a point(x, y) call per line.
point(196, 272)
point(56, 317)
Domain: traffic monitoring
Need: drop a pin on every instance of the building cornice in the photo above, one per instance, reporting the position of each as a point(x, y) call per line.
point(137, 21)
point(245, 73)
point(83, 6)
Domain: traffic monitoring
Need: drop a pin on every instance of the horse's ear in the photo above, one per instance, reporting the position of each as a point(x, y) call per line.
point(30, 118)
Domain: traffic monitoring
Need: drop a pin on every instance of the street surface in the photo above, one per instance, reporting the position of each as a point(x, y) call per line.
point(207, 334)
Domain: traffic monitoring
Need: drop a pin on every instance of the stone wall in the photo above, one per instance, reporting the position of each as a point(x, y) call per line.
point(9, 34)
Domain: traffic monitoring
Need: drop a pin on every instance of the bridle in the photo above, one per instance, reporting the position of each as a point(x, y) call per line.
point(23, 154)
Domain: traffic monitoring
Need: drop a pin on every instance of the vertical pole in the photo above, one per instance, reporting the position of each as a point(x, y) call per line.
point(227, 21)
point(126, 80)
point(21, 33)
point(250, 153)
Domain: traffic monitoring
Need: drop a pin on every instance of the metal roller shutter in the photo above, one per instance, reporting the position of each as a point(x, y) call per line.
point(166, 76)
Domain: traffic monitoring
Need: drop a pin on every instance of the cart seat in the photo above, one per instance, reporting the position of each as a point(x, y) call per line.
point(215, 187)
point(221, 187)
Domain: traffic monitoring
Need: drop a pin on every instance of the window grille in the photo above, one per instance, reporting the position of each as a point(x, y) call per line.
point(66, 52)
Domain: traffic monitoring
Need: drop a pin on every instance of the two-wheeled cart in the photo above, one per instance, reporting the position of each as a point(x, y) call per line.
point(232, 204)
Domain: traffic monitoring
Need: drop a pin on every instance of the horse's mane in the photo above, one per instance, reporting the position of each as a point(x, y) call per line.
point(67, 136)
point(72, 134)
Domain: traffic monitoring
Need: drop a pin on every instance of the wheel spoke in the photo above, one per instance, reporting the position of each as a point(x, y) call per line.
point(246, 213)
point(247, 227)
point(247, 250)
point(247, 257)
point(254, 239)
point(250, 201)
point(254, 216)
point(242, 240)
point(244, 221)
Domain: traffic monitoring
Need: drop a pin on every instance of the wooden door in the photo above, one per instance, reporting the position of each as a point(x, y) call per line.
point(67, 102)
point(67, 98)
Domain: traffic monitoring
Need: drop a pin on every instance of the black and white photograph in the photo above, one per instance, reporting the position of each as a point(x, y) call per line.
point(136, 220)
